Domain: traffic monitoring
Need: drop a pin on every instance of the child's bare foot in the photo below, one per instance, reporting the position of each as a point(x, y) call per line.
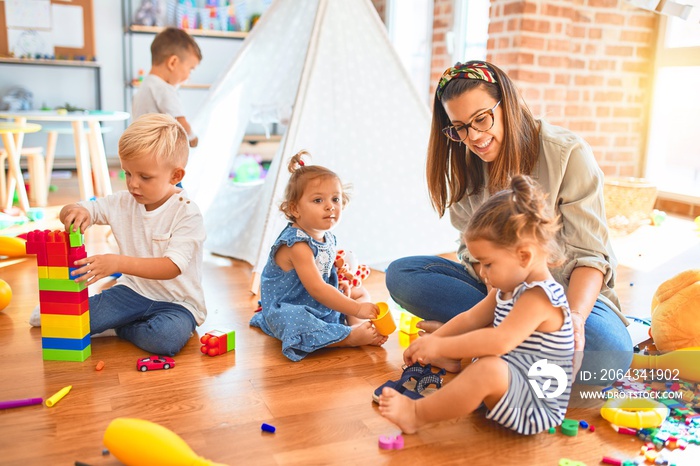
point(399, 409)
point(429, 326)
point(450, 365)
point(362, 334)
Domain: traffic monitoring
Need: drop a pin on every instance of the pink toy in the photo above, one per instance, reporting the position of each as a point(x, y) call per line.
point(348, 268)
point(387, 442)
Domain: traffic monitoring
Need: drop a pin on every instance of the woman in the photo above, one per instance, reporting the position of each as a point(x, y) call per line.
point(482, 134)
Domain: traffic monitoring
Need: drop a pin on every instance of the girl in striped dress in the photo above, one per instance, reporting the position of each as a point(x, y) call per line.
point(520, 336)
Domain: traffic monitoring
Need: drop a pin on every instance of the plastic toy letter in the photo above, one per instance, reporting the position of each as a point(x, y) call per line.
point(136, 442)
point(58, 396)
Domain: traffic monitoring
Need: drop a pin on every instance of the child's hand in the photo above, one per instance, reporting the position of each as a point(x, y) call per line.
point(344, 287)
point(367, 311)
point(76, 216)
point(424, 350)
point(96, 267)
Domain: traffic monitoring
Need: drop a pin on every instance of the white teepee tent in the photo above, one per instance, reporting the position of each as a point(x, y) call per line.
point(353, 108)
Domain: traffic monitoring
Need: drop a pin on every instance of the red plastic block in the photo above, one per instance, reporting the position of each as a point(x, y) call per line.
point(57, 260)
point(70, 309)
point(217, 342)
point(75, 297)
point(75, 254)
point(57, 243)
point(36, 242)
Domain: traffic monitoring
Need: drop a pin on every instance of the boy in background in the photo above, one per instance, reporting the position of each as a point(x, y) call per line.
point(174, 54)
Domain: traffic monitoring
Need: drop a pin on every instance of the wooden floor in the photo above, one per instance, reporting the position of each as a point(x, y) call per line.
point(322, 407)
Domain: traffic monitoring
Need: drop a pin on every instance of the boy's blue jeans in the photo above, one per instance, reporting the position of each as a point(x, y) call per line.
point(158, 327)
point(435, 288)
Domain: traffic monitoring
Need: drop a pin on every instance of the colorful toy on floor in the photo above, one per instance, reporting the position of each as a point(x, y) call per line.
point(635, 413)
point(348, 268)
point(408, 322)
point(64, 305)
point(684, 363)
point(154, 363)
point(58, 396)
point(268, 428)
point(384, 323)
point(5, 294)
point(675, 312)
point(387, 442)
point(218, 342)
point(136, 442)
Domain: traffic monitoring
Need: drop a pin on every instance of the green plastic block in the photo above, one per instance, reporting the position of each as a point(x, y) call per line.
point(66, 355)
point(76, 239)
point(231, 340)
point(55, 284)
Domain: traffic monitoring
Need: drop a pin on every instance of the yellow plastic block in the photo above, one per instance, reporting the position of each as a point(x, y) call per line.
point(60, 273)
point(65, 326)
point(43, 271)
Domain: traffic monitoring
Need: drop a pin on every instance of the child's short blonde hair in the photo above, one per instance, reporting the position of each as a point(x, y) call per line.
point(173, 41)
point(155, 134)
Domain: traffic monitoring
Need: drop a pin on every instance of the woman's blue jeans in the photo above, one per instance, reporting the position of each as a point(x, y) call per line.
point(158, 327)
point(435, 288)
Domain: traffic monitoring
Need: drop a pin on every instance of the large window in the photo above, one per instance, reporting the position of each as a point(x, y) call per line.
point(673, 150)
point(410, 25)
point(471, 30)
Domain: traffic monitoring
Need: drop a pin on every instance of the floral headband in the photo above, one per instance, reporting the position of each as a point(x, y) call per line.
point(470, 70)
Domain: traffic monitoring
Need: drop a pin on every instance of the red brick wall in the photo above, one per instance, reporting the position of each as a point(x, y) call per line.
point(582, 64)
point(443, 20)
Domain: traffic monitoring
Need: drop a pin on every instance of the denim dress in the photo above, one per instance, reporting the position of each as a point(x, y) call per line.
point(289, 313)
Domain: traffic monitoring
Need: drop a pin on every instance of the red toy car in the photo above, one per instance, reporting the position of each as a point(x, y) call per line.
point(154, 363)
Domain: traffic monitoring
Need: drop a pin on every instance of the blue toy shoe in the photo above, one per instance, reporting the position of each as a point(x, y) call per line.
point(414, 381)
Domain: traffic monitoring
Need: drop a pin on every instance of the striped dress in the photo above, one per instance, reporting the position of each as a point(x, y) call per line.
point(538, 369)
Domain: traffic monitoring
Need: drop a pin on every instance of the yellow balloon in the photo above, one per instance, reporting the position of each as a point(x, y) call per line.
point(136, 442)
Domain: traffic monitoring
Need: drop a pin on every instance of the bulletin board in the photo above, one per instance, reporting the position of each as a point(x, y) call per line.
point(56, 23)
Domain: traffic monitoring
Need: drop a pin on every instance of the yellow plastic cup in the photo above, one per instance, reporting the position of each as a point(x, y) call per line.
point(384, 323)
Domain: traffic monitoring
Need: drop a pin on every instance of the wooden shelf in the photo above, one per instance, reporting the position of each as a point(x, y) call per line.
point(42, 61)
point(193, 32)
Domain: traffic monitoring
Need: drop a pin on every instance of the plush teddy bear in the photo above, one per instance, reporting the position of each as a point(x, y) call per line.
point(675, 312)
point(348, 268)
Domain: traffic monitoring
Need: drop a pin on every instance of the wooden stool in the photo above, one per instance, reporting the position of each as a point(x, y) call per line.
point(12, 139)
point(38, 194)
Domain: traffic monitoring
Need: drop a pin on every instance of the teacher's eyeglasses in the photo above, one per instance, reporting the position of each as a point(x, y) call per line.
point(480, 123)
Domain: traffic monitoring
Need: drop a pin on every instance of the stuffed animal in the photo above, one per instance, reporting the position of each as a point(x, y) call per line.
point(675, 312)
point(348, 268)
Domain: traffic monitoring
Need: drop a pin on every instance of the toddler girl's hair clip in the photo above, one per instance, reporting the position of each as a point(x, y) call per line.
point(301, 163)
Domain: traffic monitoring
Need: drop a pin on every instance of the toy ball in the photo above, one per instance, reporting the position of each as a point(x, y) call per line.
point(5, 294)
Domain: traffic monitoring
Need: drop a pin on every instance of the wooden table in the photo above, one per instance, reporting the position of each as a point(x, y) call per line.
point(12, 139)
point(91, 162)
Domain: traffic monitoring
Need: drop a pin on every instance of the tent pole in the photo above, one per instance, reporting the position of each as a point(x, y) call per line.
point(291, 130)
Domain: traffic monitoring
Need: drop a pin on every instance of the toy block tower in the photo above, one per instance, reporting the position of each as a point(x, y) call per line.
point(65, 318)
point(218, 342)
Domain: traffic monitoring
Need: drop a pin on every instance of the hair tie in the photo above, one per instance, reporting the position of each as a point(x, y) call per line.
point(471, 70)
point(301, 163)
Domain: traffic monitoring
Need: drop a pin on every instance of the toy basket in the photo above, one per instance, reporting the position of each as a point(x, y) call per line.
point(629, 202)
